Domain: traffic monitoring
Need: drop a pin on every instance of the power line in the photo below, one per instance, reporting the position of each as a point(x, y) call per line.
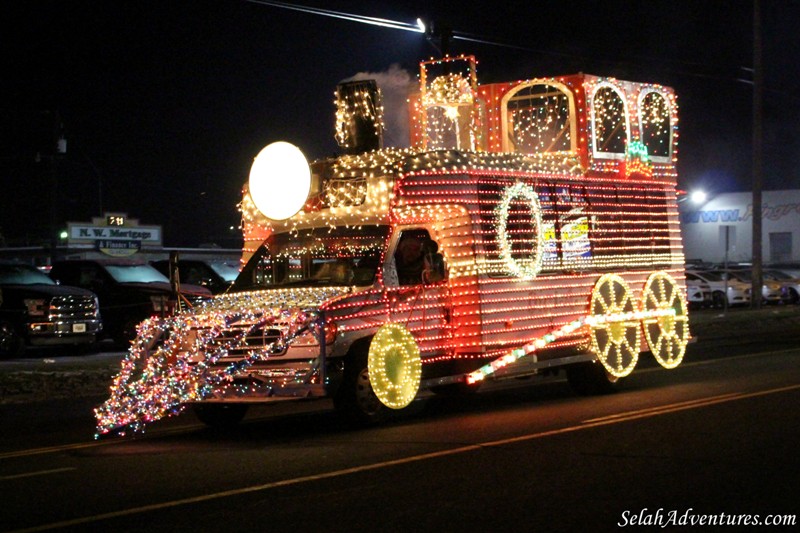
point(374, 21)
point(433, 30)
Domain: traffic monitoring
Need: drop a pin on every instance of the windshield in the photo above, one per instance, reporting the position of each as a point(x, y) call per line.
point(321, 256)
point(135, 274)
point(23, 275)
point(741, 275)
point(711, 276)
point(777, 275)
point(227, 271)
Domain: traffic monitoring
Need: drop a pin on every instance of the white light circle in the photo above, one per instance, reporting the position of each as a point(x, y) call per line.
point(529, 268)
point(280, 180)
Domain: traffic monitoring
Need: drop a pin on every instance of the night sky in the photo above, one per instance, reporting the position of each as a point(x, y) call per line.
point(165, 103)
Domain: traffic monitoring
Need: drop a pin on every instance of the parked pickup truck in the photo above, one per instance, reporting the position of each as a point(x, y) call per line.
point(216, 275)
point(35, 311)
point(129, 291)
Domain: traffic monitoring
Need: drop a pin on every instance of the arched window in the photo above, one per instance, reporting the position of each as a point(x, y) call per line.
point(537, 118)
point(610, 122)
point(655, 119)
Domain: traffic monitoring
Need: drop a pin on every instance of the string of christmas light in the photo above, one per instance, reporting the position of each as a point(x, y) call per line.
point(528, 267)
point(358, 105)
point(450, 119)
point(655, 119)
point(532, 189)
point(539, 118)
point(543, 341)
point(395, 367)
point(183, 367)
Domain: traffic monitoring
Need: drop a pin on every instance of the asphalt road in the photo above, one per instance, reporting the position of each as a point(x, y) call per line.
point(717, 435)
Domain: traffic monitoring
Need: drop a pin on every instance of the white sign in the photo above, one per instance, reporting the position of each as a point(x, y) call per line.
point(89, 233)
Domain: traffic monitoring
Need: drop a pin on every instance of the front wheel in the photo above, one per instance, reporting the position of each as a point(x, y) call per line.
point(355, 399)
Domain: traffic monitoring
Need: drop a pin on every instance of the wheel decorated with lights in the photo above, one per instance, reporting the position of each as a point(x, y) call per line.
point(527, 268)
point(394, 365)
point(614, 330)
point(666, 334)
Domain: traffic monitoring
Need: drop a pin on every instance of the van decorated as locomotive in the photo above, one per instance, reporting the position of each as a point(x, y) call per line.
point(531, 227)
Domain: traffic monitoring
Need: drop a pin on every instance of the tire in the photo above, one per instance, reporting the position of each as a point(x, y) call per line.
point(589, 379)
point(794, 298)
point(717, 300)
point(220, 415)
point(11, 343)
point(355, 400)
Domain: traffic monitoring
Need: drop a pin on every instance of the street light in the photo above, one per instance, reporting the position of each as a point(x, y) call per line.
point(698, 197)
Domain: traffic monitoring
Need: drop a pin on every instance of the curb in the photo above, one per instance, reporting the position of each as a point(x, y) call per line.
point(38, 380)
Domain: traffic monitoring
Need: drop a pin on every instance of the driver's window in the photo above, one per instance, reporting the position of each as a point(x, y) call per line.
point(417, 259)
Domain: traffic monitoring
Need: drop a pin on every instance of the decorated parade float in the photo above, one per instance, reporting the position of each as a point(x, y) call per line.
point(532, 227)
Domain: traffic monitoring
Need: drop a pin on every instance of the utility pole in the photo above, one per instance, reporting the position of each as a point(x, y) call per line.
point(758, 83)
point(54, 149)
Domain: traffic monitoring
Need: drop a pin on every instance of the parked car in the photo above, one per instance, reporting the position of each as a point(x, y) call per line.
point(790, 285)
point(771, 292)
point(216, 276)
point(738, 292)
point(129, 291)
point(790, 268)
point(35, 311)
point(698, 292)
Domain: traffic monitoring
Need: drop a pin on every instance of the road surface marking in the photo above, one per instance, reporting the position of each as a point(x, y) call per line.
point(406, 460)
point(39, 473)
point(162, 432)
point(675, 407)
point(668, 407)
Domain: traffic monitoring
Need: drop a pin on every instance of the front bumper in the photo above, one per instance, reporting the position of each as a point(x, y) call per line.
point(48, 333)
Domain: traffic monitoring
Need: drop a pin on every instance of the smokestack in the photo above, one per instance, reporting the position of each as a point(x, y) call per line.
point(359, 116)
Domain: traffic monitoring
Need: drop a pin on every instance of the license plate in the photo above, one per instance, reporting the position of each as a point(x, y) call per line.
point(79, 328)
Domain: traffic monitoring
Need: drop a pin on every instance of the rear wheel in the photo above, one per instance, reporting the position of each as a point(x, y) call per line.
point(11, 343)
point(667, 335)
point(220, 415)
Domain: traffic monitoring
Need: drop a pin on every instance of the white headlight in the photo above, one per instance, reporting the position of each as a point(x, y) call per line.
point(280, 180)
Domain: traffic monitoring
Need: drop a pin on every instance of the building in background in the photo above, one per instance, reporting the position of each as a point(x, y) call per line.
point(728, 217)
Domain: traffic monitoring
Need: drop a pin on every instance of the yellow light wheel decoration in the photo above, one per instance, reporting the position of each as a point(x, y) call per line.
point(394, 366)
point(613, 326)
point(667, 335)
